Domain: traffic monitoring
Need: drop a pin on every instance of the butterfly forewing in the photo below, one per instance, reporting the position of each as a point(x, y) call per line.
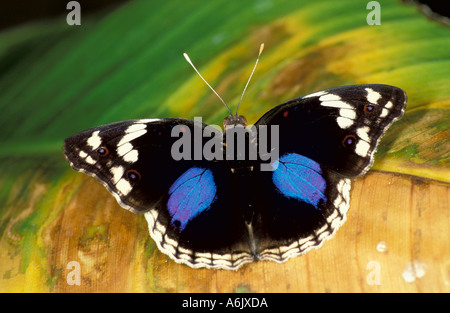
point(126, 157)
point(340, 127)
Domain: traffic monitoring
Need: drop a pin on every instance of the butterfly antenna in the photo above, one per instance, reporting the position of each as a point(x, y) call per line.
point(261, 48)
point(190, 62)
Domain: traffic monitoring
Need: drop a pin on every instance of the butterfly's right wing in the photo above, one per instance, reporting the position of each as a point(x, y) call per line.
point(325, 139)
point(187, 203)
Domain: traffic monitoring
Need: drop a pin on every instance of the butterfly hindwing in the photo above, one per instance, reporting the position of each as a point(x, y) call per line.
point(216, 237)
point(300, 205)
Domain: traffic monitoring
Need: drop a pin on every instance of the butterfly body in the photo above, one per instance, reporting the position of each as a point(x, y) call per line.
point(284, 200)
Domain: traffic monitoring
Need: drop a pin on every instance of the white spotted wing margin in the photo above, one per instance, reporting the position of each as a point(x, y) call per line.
point(82, 153)
point(236, 258)
point(232, 260)
point(337, 215)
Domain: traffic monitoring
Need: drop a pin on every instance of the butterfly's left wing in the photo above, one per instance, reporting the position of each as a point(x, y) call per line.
point(325, 139)
point(187, 202)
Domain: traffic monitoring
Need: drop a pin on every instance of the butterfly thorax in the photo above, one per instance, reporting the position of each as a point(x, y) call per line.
point(234, 120)
point(240, 148)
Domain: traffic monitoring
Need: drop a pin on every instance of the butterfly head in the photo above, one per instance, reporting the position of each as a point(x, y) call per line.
point(234, 120)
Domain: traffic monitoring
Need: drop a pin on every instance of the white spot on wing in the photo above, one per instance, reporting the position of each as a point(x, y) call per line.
point(347, 112)
point(329, 97)
point(363, 133)
point(322, 229)
point(351, 114)
point(90, 160)
point(337, 202)
point(384, 113)
point(156, 235)
point(169, 248)
point(344, 122)
point(217, 256)
point(346, 193)
point(123, 187)
point(305, 240)
point(362, 148)
point(131, 136)
point(184, 250)
point(372, 96)
point(149, 120)
point(316, 94)
point(184, 258)
point(206, 255)
point(95, 140)
point(323, 236)
point(124, 149)
point(160, 227)
point(117, 173)
point(135, 127)
point(336, 104)
point(308, 244)
point(170, 241)
point(131, 156)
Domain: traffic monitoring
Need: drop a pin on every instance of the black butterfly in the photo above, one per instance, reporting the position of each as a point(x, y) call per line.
point(222, 213)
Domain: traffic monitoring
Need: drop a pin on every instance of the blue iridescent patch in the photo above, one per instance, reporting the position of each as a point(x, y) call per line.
point(192, 193)
point(300, 178)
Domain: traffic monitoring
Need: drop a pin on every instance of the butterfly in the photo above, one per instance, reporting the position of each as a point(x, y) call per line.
point(226, 212)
